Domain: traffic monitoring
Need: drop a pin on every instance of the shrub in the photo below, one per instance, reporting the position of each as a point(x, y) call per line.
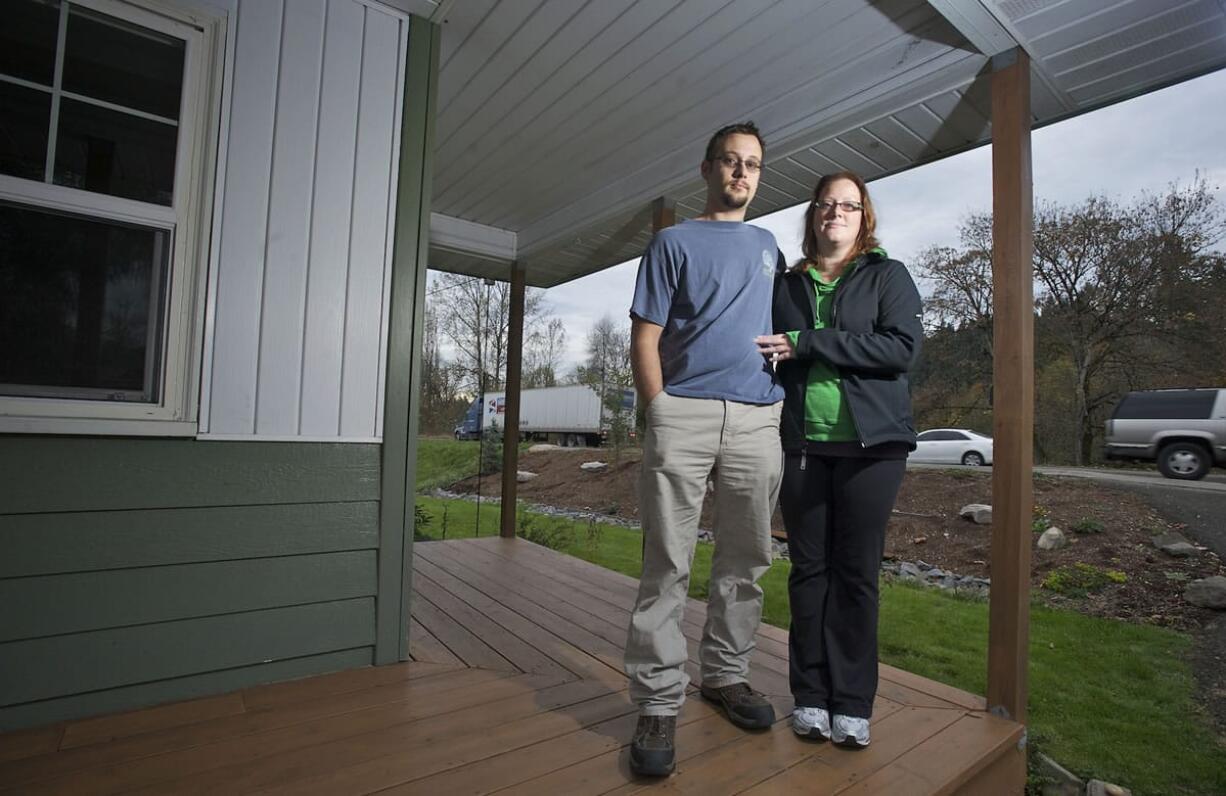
point(543, 531)
point(1087, 525)
point(421, 521)
point(1040, 519)
point(491, 450)
point(595, 532)
point(1081, 579)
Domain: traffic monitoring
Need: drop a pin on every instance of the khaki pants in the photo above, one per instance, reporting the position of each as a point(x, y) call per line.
point(686, 438)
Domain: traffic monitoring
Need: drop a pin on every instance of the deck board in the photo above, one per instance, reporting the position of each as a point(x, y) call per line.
point(514, 687)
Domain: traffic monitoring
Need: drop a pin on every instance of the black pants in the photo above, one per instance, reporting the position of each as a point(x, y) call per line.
point(835, 509)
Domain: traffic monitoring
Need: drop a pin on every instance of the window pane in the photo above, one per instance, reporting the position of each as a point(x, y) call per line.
point(1167, 405)
point(115, 153)
point(25, 115)
point(113, 60)
point(80, 306)
point(27, 39)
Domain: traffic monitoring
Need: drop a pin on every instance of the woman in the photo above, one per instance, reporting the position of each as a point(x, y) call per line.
point(848, 328)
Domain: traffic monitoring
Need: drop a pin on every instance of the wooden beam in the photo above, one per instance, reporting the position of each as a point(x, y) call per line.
point(510, 427)
point(663, 213)
point(1012, 384)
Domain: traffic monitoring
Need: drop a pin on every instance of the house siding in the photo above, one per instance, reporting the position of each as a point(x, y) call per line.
point(139, 570)
point(296, 335)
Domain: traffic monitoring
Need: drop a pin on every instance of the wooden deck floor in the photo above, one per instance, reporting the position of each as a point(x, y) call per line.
point(515, 687)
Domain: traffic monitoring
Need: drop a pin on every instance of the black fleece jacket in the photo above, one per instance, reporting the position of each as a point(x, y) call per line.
point(873, 340)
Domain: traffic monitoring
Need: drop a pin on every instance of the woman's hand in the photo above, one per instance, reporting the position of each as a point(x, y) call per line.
point(775, 347)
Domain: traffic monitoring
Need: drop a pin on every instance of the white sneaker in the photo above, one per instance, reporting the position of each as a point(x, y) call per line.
point(849, 731)
point(811, 723)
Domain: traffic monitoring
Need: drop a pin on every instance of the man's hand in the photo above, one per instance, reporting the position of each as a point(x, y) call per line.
point(775, 347)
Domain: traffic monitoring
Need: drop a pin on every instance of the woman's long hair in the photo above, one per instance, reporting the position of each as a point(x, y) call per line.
point(866, 240)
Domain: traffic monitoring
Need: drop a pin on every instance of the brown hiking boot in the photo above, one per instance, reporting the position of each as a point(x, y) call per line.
point(745, 707)
point(653, 752)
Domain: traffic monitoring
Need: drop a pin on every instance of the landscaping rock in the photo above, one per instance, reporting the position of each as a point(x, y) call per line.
point(1174, 544)
point(1059, 780)
point(908, 570)
point(978, 513)
point(594, 467)
point(542, 446)
point(1052, 539)
point(1096, 787)
point(1207, 592)
point(523, 475)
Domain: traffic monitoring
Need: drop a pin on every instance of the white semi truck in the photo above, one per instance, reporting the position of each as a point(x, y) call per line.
point(569, 415)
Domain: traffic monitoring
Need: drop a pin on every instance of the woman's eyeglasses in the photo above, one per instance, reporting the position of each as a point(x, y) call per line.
point(826, 205)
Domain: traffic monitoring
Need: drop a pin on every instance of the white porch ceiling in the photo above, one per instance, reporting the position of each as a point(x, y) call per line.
point(561, 120)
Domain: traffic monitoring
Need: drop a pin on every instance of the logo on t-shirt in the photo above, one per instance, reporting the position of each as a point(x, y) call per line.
point(768, 263)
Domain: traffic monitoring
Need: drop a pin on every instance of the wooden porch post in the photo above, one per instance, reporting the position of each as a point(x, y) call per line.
point(1012, 384)
point(510, 423)
point(663, 213)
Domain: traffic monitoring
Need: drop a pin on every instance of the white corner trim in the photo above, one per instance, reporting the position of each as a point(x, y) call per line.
point(421, 8)
point(469, 237)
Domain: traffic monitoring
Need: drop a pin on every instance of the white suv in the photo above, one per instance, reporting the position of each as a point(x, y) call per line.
point(1184, 430)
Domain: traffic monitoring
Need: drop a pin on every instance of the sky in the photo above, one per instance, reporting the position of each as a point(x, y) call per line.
point(1121, 151)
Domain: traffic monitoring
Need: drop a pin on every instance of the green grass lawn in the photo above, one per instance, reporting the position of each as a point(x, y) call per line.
point(441, 461)
point(1108, 700)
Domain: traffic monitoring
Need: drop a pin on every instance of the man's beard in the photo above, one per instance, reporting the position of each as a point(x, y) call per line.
point(734, 201)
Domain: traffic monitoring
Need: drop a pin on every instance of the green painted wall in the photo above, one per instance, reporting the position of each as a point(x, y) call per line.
point(134, 571)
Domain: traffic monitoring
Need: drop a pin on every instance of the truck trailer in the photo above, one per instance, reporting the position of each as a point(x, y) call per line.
point(569, 416)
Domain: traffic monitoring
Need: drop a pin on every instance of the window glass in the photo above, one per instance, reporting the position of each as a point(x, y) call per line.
point(25, 114)
point(112, 60)
point(958, 435)
point(80, 305)
point(27, 39)
point(111, 152)
point(927, 436)
point(1166, 405)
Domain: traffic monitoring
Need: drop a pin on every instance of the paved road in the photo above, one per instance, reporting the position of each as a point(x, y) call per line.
point(1215, 482)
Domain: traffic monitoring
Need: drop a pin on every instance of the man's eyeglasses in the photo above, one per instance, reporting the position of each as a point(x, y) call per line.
point(826, 205)
point(731, 162)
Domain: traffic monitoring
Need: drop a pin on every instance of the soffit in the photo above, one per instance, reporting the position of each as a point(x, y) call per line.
point(559, 120)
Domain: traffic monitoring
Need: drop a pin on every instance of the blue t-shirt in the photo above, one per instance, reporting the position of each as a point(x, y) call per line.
point(709, 284)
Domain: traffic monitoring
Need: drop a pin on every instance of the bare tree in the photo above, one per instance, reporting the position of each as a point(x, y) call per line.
point(953, 380)
point(440, 386)
point(608, 357)
point(1126, 295)
point(962, 279)
point(607, 371)
point(1101, 269)
point(474, 316)
point(543, 351)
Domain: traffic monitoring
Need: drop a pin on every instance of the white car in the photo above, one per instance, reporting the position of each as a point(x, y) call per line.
point(952, 446)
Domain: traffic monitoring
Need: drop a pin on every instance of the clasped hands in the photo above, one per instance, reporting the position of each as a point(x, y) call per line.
point(775, 347)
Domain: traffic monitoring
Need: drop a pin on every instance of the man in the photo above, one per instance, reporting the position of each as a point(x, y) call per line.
point(703, 294)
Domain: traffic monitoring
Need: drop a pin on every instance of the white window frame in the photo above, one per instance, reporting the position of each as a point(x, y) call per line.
point(188, 219)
